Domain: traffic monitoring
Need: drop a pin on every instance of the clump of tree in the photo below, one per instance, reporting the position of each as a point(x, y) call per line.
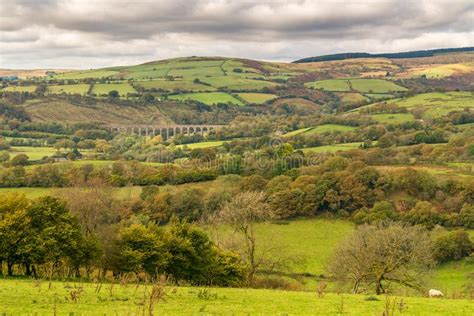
point(374, 257)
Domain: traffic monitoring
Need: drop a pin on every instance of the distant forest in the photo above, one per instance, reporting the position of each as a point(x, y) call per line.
point(413, 54)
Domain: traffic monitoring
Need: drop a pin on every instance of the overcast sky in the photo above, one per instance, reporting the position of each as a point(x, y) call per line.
point(89, 34)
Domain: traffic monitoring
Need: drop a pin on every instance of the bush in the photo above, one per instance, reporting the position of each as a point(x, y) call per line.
point(453, 246)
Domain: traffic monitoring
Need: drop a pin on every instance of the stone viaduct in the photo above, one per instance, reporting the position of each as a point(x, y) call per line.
point(164, 130)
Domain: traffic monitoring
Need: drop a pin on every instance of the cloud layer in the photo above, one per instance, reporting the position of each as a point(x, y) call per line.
point(86, 34)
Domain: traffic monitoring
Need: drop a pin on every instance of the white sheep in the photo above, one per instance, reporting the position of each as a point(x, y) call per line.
point(435, 293)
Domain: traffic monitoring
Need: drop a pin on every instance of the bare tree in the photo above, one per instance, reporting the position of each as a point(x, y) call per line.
point(377, 255)
point(242, 213)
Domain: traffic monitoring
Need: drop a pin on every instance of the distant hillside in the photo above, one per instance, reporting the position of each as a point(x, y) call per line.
point(412, 54)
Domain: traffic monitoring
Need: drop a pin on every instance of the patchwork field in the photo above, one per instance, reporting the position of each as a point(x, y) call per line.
point(332, 148)
point(173, 85)
point(210, 98)
point(437, 104)
point(257, 98)
point(100, 73)
point(361, 85)
point(440, 71)
point(104, 88)
point(393, 118)
point(326, 128)
point(34, 153)
point(29, 89)
point(69, 89)
point(237, 83)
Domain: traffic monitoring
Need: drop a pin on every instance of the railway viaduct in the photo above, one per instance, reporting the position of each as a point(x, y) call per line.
point(164, 130)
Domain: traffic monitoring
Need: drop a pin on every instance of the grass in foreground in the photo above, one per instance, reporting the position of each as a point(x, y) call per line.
point(30, 297)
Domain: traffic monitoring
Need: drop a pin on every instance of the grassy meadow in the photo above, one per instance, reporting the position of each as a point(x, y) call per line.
point(22, 296)
point(332, 148)
point(207, 98)
point(356, 84)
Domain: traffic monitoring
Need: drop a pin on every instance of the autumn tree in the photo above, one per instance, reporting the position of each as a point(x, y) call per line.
point(374, 256)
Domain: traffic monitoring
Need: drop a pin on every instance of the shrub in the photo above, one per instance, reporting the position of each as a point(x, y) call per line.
point(453, 246)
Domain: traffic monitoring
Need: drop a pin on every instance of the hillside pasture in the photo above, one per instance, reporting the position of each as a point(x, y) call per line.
point(80, 88)
point(351, 98)
point(395, 118)
point(94, 74)
point(238, 83)
point(29, 89)
point(437, 104)
point(174, 85)
point(122, 88)
point(320, 129)
point(210, 98)
point(440, 71)
point(334, 85)
point(257, 98)
point(332, 148)
point(34, 153)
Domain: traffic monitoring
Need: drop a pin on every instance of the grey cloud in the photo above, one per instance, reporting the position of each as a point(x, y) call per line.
point(89, 32)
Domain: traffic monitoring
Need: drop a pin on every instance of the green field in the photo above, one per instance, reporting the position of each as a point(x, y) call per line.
point(437, 104)
point(69, 89)
point(393, 118)
point(442, 71)
point(120, 193)
point(99, 73)
point(335, 85)
point(360, 85)
point(203, 144)
point(351, 98)
point(30, 297)
point(257, 98)
point(34, 153)
point(320, 129)
point(104, 88)
point(207, 98)
point(174, 85)
point(237, 83)
point(29, 89)
point(332, 148)
point(375, 86)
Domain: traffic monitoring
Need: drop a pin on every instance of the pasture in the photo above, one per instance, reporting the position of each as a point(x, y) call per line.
point(238, 83)
point(122, 88)
point(257, 98)
point(332, 148)
point(29, 89)
point(396, 118)
point(80, 88)
point(356, 84)
point(34, 153)
point(174, 85)
point(320, 129)
point(22, 296)
point(99, 73)
point(202, 144)
point(210, 98)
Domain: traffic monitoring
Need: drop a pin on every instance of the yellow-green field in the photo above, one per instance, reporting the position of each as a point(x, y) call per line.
point(34, 153)
point(123, 88)
point(69, 89)
point(393, 118)
point(257, 98)
point(356, 84)
point(35, 298)
point(320, 129)
point(29, 89)
point(210, 98)
point(174, 85)
point(332, 148)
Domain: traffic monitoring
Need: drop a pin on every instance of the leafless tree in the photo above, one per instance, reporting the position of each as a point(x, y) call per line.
point(387, 253)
